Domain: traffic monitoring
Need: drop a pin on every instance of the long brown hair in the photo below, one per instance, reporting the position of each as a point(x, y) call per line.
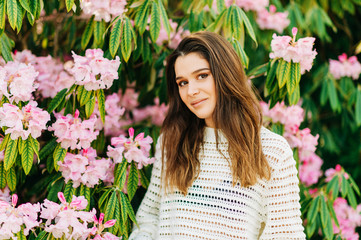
point(237, 115)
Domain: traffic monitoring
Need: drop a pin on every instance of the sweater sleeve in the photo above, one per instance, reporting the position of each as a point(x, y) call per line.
point(148, 213)
point(283, 215)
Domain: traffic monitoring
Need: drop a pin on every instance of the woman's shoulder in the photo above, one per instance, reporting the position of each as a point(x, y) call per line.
point(275, 147)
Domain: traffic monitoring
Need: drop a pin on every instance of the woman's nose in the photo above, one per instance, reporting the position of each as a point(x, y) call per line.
point(192, 89)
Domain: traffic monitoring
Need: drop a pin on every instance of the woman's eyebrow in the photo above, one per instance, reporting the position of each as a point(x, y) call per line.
point(196, 71)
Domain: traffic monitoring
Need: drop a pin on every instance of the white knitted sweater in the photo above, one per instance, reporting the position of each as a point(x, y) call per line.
point(214, 209)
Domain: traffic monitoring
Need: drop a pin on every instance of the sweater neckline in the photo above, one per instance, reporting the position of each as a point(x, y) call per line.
point(210, 135)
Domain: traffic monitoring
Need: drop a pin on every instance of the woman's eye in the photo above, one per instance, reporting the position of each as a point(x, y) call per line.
point(203, 76)
point(182, 83)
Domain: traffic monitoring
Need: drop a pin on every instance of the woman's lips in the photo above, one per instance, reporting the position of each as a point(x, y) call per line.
point(198, 102)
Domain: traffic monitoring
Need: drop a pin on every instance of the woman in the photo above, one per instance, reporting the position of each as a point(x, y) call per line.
point(218, 173)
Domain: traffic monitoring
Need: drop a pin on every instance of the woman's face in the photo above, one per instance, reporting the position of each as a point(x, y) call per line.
point(196, 86)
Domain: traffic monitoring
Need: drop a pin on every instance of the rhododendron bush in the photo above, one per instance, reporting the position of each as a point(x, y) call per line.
point(83, 97)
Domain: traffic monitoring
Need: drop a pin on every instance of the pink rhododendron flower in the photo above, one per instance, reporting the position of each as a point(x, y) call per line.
point(29, 120)
point(94, 71)
point(133, 149)
point(85, 169)
point(310, 169)
point(330, 173)
point(249, 5)
point(272, 19)
point(74, 133)
point(103, 9)
point(12, 218)
point(156, 112)
point(69, 221)
point(345, 67)
point(17, 81)
point(99, 227)
point(296, 51)
point(348, 219)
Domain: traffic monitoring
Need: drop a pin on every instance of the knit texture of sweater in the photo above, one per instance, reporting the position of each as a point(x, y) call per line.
point(216, 209)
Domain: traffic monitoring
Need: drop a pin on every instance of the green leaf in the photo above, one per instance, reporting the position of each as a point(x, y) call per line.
point(326, 219)
point(294, 97)
point(69, 4)
point(85, 97)
point(236, 23)
point(128, 207)
point(120, 174)
point(48, 148)
point(2, 176)
point(87, 34)
point(335, 104)
point(111, 208)
point(283, 72)
point(271, 85)
point(55, 187)
point(358, 107)
point(2, 13)
point(311, 227)
point(12, 11)
point(133, 180)
point(101, 104)
point(332, 211)
point(354, 185)
point(164, 17)
point(143, 178)
point(41, 236)
point(102, 200)
point(99, 29)
point(294, 80)
point(56, 100)
point(11, 152)
point(312, 211)
point(331, 185)
point(34, 7)
point(228, 21)
point(324, 92)
point(26, 5)
point(31, 18)
point(351, 196)
point(89, 106)
point(27, 155)
point(154, 26)
point(126, 43)
point(220, 5)
point(6, 47)
point(20, 15)
point(344, 187)
point(142, 17)
point(50, 163)
point(248, 25)
point(4, 142)
point(241, 53)
point(69, 191)
point(20, 235)
point(59, 155)
point(114, 39)
point(11, 179)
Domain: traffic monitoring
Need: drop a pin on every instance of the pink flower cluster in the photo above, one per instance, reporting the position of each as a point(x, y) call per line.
point(13, 218)
point(73, 132)
point(348, 218)
point(99, 227)
point(155, 112)
point(345, 67)
point(94, 71)
point(52, 76)
point(85, 169)
point(249, 5)
point(272, 19)
point(296, 51)
point(175, 37)
point(132, 149)
point(66, 220)
point(291, 117)
point(22, 122)
point(330, 173)
point(17, 81)
point(103, 9)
